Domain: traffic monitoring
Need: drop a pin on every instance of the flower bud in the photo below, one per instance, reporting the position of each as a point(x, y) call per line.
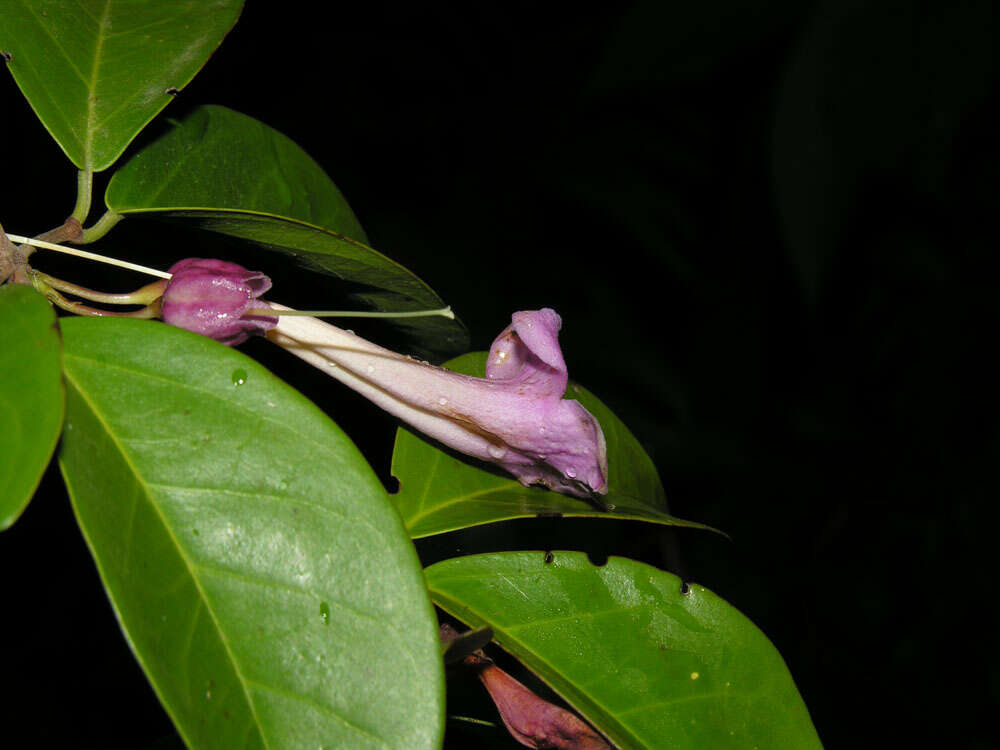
point(211, 297)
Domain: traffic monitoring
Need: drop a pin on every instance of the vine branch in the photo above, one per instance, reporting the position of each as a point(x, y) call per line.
point(100, 228)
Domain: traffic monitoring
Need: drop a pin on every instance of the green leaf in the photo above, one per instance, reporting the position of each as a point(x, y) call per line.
point(442, 491)
point(253, 559)
point(217, 159)
point(647, 664)
point(31, 395)
point(96, 71)
point(223, 171)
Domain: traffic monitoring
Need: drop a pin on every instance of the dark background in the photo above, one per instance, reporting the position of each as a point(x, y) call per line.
point(769, 230)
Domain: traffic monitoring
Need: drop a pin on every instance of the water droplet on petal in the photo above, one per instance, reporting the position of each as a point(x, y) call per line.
point(371, 369)
point(324, 613)
point(239, 376)
point(571, 473)
point(442, 401)
point(496, 451)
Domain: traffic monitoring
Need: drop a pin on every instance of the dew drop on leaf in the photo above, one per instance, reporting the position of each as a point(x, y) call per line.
point(239, 376)
point(324, 612)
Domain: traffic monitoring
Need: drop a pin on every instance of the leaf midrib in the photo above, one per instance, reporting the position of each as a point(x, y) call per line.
point(88, 142)
point(664, 519)
point(426, 511)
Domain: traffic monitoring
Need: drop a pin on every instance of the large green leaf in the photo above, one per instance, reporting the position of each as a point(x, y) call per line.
point(96, 71)
point(217, 159)
point(651, 663)
point(31, 395)
point(442, 491)
point(253, 559)
point(223, 171)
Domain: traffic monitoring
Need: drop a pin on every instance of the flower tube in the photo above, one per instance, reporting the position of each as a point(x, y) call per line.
point(515, 417)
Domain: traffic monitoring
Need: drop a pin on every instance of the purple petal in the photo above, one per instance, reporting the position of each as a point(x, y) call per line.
point(515, 417)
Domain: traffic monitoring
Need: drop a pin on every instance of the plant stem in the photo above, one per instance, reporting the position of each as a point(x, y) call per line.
point(68, 232)
point(146, 313)
point(8, 261)
point(444, 312)
point(90, 256)
point(144, 296)
point(100, 228)
point(84, 186)
point(473, 720)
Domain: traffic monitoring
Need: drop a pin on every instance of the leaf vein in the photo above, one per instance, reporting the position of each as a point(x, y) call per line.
point(88, 142)
point(327, 710)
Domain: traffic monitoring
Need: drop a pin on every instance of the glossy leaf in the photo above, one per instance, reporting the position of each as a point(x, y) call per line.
point(441, 491)
point(223, 171)
point(217, 159)
point(96, 71)
point(253, 559)
point(31, 395)
point(646, 663)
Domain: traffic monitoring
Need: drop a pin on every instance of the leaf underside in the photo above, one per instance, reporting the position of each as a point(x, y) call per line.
point(226, 172)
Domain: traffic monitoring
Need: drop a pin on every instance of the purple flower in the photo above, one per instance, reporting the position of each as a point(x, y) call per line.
point(515, 417)
point(211, 297)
